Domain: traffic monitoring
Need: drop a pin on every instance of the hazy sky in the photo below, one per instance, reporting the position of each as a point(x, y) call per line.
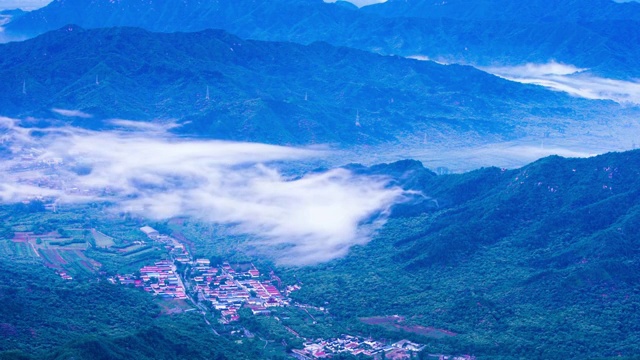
point(34, 4)
point(23, 4)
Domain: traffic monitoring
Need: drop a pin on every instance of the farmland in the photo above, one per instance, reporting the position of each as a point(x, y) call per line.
point(102, 240)
point(17, 251)
point(74, 261)
point(397, 323)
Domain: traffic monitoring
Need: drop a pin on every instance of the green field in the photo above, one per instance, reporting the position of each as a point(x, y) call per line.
point(78, 262)
point(138, 251)
point(51, 243)
point(101, 239)
point(15, 250)
point(130, 248)
point(73, 261)
point(118, 263)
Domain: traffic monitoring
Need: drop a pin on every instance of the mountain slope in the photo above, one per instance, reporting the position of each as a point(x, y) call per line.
point(591, 34)
point(273, 92)
point(534, 11)
point(538, 262)
point(46, 317)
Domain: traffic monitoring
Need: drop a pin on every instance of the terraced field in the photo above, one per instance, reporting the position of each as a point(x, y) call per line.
point(17, 250)
point(102, 240)
point(74, 261)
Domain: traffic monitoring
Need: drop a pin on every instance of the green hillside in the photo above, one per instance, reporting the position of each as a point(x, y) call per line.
point(539, 262)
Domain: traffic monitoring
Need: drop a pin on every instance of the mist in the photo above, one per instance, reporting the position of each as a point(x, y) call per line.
point(147, 171)
point(572, 80)
point(359, 3)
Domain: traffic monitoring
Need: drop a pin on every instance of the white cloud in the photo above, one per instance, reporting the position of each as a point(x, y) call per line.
point(72, 113)
point(572, 80)
point(359, 3)
point(310, 219)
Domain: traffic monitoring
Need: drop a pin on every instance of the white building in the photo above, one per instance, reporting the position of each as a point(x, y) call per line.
point(150, 232)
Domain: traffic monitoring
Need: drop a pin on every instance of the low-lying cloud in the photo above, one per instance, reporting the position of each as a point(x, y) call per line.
point(572, 80)
point(72, 113)
point(308, 219)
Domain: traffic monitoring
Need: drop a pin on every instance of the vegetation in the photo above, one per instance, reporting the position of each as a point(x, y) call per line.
point(589, 34)
point(538, 262)
point(46, 317)
point(255, 95)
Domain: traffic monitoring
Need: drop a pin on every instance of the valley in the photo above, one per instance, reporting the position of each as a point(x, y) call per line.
point(423, 246)
point(301, 179)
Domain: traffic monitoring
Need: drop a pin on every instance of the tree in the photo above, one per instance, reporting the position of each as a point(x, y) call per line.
point(62, 232)
point(216, 260)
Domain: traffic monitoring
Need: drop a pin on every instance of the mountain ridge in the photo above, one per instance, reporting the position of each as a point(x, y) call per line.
point(595, 42)
point(272, 92)
point(531, 262)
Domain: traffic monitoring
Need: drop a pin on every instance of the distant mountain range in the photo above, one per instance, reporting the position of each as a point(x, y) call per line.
point(534, 11)
point(597, 34)
point(221, 86)
point(7, 16)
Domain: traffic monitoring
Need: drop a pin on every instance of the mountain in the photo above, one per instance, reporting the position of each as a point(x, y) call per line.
point(594, 34)
point(274, 92)
point(7, 16)
point(535, 11)
point(537, 262)
point(13, 12)
point(46, 317)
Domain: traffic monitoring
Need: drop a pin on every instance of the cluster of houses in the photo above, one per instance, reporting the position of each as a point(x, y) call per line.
point(64, 275)
point(229, 288)
point(226, 288)
point(160, 279)
point(452, 357)
point(321, 348)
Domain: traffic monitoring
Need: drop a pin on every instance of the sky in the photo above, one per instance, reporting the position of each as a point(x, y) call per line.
point(22, 4)
point(34, 4)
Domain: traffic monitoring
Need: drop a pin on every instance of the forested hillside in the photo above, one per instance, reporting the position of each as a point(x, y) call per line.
point(539, 262)
point(221, 86)
point(593, 34)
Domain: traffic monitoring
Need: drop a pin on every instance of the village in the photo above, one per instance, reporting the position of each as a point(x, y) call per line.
point(222, 288)
point(354, 345)
point(226, 288)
